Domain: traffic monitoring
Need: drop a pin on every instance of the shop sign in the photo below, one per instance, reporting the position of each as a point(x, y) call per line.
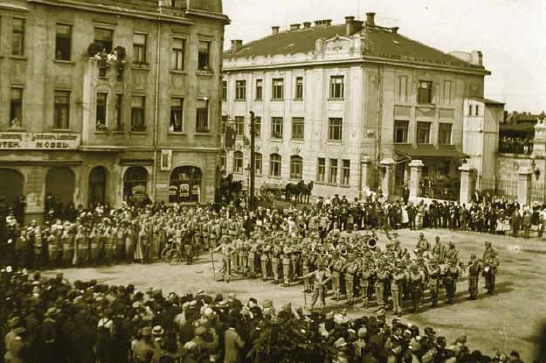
point(38, 141)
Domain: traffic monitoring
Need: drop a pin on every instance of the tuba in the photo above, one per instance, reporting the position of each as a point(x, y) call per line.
point(371, 242)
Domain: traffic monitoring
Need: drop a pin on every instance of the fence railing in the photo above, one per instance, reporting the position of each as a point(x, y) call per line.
point(499, 188)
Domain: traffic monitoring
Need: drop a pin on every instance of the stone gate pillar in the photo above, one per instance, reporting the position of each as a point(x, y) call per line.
point(524, 185)
point(387, 180)
point(416, 170)
point(468, 183)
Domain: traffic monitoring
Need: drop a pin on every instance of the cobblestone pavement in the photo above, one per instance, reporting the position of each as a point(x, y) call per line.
point(510, 319)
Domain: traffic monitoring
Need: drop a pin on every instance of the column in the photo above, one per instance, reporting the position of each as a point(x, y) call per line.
point(416, 170)
point(539, 142)
point(365, 164)
point(524, 185)
point(468, 183)
point(387, 180)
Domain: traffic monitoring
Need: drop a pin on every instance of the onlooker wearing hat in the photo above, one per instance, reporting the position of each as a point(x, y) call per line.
point(143, 349)
point(232, 344)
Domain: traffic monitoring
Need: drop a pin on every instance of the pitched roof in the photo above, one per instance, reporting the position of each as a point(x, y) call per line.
point(383, 42)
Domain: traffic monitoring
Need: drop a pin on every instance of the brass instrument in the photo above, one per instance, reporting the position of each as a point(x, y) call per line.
point(371, 242)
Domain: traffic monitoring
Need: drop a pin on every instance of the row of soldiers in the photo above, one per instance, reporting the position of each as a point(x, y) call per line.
point(354, 265)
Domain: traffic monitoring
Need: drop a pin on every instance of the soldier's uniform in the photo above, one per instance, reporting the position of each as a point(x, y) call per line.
point(474, 270)
point(434, 274)
point(351, 270)
point(379, 285)
point(286, 255)
point(337, 268)
point(264, 261)
point(450, 281)
point(396, 285)
point(491, 263)
point(252, 256)
point(275, 260)
point(243, 256)
point(415, 283)
point(320, 277)
point(365, 282)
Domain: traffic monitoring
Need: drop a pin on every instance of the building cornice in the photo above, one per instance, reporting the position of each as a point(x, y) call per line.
point(114, 11)
point(355, 61)
point(12, 7)
point(208, 14)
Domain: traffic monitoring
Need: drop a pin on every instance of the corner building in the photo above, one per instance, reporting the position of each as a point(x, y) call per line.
point(110, 99)
point(347, 106)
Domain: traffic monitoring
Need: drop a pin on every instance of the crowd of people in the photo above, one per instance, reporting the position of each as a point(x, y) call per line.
point(51, 320)
point(515, 145)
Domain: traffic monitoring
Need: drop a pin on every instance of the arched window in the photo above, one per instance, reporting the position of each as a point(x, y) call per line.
point(185, 185)
point(258, 163)
point(97, 185)
point(296, 167)
point(135, 182)
point(12, 185)
point(60, 184)
point(275, 166)
point(238, 162)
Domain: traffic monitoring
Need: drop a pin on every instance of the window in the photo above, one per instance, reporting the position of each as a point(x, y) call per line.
point(118, 116)
point(321, 170)
point(16, 107)
point(299, 88)
point(477, 110)
point(402, 89)
point(100, 121)
point(335, 129)
point(400, 132)
point(177, 115)
point(239, 126)
point(470, 110)
point(424, 92)
point(178, 54)
point(337, 87)
point(18, 37)
point(224, 90)
point(138, 122)
point(332, 175)
point(224, 123)
point(240, 90)
point(278, 89)
point(275, 165)
point(444, 134)
point(61, 115)
point(258, 126)
point(63, 42)
point(238, 162)
point(259, 89)
point(139, 48)
point(447, 92)
point(202, 116)
point(296, 167)
point(203, 56)
point(345, 172)
point(423, 132)
point(297, 128)
point(104, 38)
point(258, 163)
point(276, 127)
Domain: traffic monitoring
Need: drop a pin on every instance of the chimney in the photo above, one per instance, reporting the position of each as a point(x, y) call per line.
point(236, 45)
point(476, 58)
point(395, 30)
point(358, 25)
point(349, 25)
point(294, 26)
point(275, 29)
point(370, 19)
point(325, 22)
point(306, 24)
point(328, 22)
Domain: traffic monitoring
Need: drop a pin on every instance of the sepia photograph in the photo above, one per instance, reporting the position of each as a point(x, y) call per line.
point(247, 181)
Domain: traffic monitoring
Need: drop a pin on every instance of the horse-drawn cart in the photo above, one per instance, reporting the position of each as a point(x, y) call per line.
point(275, 190)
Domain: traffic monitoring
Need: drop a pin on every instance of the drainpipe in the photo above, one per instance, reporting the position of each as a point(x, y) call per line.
point(156, 105)
point(379, 120)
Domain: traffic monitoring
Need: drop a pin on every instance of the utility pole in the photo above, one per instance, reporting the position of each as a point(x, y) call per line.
point(252, 161)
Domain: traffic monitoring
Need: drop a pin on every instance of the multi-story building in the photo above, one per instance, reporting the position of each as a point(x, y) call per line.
point(347, 106)
point(110, 99)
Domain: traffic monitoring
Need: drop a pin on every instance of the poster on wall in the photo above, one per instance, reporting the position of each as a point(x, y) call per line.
point(173, 190)
point(166, 159)
point(184, 190)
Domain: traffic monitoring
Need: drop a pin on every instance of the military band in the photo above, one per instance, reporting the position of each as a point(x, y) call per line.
point(354, 266)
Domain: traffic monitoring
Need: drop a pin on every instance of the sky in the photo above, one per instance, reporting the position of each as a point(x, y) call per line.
point(510, 33)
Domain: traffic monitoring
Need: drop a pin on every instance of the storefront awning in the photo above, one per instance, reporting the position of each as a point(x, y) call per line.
point(430, 151)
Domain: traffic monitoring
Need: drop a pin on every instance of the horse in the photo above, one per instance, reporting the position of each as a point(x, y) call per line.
point(292, 189)
point(305, 191)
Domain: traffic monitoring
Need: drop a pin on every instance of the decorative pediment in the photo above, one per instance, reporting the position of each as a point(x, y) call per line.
point(275, 149)
point(296, 151)
point(337, 45)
